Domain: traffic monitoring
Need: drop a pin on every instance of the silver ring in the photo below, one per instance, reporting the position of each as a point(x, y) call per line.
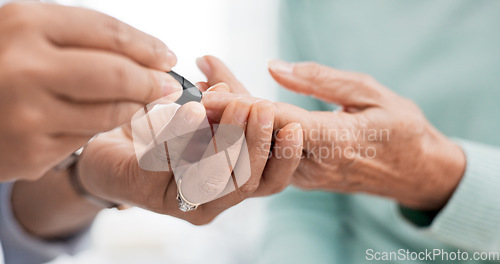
point(184, 205)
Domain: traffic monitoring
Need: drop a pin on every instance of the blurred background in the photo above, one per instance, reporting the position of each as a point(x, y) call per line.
point(241, 33)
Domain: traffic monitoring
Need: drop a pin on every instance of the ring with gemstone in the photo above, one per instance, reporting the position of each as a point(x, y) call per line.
point(184, 205)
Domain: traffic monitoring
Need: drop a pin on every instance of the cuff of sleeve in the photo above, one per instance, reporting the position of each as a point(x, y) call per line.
point(418, 217)
point(21, 247)
point(471, 218)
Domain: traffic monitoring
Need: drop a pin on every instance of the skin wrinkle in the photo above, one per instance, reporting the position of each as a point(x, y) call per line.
point(409, 166)
point(83, 66)
point(393, 164)
point(392, 173)
point(91, 60)
point(314, 173)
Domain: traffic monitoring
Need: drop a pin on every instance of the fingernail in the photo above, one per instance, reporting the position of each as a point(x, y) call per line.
point(241, 111)
point(169, 85)
point(203, 65)
point(220, 87)
point(265, 115)
point(211, 88)
point(281, 67)
point(194, 112)
point(171, 58)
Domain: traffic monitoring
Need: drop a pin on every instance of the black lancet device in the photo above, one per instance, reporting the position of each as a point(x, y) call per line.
point(190, 93)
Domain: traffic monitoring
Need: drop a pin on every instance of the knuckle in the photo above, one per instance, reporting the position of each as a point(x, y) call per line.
point(28, 118)
point(157, 51)
point(21, 15)
point(366, 81)
point(249, 188)
point(315, 73)
point(21, 69)
point(118, 32)
point(120, 77)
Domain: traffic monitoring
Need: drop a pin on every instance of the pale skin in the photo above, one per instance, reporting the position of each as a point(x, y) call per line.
point(108, 168)
point(66, 74)
point(99, 71)
point(93, 68)
point(416, 165)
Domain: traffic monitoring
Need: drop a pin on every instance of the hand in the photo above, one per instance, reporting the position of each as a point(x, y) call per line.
point(378, 143)
point(283, 160)
point(66, 74)
point(109, 168)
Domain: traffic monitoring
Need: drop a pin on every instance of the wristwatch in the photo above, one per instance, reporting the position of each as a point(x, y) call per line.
point(70, 164)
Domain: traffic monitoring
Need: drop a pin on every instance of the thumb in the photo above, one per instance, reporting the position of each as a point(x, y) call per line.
point(340, 87)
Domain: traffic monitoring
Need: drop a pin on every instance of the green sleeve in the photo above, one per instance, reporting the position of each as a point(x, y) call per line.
point(303, 227)
point(471, 219)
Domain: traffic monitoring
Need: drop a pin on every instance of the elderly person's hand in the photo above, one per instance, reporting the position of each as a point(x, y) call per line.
point(377, 143)
point(66, 74)
point(109, 167)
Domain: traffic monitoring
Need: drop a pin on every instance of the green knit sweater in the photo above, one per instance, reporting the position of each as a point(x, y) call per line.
point(445, 56)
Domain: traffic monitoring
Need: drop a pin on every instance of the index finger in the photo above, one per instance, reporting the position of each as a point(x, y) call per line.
point(84, 28)
point(216, 102)
point(216, 72)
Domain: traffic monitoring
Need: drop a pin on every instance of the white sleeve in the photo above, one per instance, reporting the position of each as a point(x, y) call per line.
point(1, 253)
point(20, 247)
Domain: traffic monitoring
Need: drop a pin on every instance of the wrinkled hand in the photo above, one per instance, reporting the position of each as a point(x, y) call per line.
point(66, 74)
point(109, 168)
point(283, 161)
point(378, 143)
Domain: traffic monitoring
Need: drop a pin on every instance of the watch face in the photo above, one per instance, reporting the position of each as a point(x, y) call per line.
point(189, 91)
